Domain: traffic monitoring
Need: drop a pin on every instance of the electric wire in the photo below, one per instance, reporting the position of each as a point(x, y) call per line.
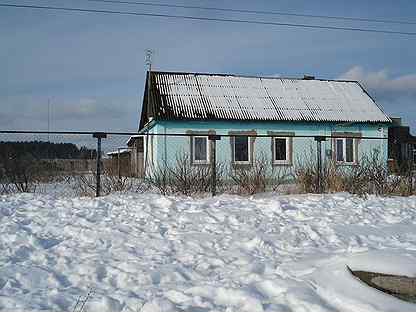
point(332, 17)
point(212, 19)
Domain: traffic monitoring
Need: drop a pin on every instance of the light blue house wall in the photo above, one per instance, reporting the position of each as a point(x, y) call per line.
point(163, 150)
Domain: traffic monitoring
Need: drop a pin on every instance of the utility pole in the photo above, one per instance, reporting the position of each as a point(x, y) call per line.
point(49, 129)
point(49, 118)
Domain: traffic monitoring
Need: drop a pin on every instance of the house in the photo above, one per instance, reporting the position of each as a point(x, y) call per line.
point(136, 146)
point(119, 162)
point(402, 145)
point(273, 118)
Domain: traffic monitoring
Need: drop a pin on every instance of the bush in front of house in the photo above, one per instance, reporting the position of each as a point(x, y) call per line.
point(258, 177)
point(369, 176)
point(183, 177)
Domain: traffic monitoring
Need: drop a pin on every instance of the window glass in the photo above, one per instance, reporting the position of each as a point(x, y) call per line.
point(200, 149)
point(280, 149)
point(241, 152)
point(349, 150)
point(340, 149)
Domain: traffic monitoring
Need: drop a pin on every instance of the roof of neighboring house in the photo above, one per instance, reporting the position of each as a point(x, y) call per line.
point(196, 96)
point(132, 138)
point(120, 151)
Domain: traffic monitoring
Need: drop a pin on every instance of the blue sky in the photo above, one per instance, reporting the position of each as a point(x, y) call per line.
point(92, 69)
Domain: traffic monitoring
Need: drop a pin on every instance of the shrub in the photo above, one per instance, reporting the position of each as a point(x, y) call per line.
point(20, 173)
point(250, 179)
point(184, 178)
point(259, 177)
point(369, 176)
point(86, 184)
point(306, 173)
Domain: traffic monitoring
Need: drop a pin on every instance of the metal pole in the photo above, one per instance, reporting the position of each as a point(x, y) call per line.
point(212, 139)
point(319, 162)
point(319, 139)
point(98, 174)
point(98, 136)
point(213, 168)
point(49, 118)
point(118, 163)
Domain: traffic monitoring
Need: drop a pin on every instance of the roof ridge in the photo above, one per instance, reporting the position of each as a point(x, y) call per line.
point(246, 76)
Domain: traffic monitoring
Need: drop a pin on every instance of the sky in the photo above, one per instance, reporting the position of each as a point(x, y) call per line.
point(91, 67)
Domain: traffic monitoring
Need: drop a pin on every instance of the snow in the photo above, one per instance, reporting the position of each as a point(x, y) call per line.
point(146, 252)
point(119, 151)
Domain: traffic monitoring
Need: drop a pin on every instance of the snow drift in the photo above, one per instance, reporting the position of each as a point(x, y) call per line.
point(153, 253)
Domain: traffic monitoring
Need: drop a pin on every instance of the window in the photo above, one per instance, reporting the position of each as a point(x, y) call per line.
point(242, 150)
point(345, 150)
point(281, 150)
point(200, 153)
point(414, 153)
point(339, 147)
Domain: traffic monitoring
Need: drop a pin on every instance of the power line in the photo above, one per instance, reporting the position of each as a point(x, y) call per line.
point(344, 18)
point(199, 18)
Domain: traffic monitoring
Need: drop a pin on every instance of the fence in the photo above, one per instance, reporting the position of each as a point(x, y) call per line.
point(72, 163)
point(96, 163)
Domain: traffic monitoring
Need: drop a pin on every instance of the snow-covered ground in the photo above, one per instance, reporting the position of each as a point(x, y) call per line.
point(153, 253)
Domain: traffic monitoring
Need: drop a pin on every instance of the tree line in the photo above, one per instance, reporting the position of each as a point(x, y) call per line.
point(44, 150)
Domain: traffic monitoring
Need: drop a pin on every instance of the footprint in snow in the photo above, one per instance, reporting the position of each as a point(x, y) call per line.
point(47, 243)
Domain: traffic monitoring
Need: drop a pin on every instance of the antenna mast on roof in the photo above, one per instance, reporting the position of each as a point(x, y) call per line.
point(149, 58)
point(148, 61)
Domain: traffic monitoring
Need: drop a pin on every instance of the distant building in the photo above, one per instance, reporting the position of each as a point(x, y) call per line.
point(119, 162)
point(402, 145)
point(204, 104)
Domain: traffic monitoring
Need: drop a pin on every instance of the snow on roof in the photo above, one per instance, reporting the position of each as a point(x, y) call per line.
point(119, 151)
point(132, 138)
point(228, 97)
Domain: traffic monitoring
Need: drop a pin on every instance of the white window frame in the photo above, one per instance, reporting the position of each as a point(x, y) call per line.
point(288, 151)
point(344, 151)
point(197, 161)
point(242, 162)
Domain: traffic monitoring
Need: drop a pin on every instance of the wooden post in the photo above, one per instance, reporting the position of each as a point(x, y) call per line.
point(98, 136)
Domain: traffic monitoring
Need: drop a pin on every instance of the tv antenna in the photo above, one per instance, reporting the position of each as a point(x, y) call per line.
point(148, 61)
point(149, 53)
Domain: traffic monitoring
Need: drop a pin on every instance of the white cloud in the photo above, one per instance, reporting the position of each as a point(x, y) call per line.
point(397, 95)
point(381, 82)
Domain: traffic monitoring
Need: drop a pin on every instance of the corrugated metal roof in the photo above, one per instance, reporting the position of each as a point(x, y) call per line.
point(229, 97)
